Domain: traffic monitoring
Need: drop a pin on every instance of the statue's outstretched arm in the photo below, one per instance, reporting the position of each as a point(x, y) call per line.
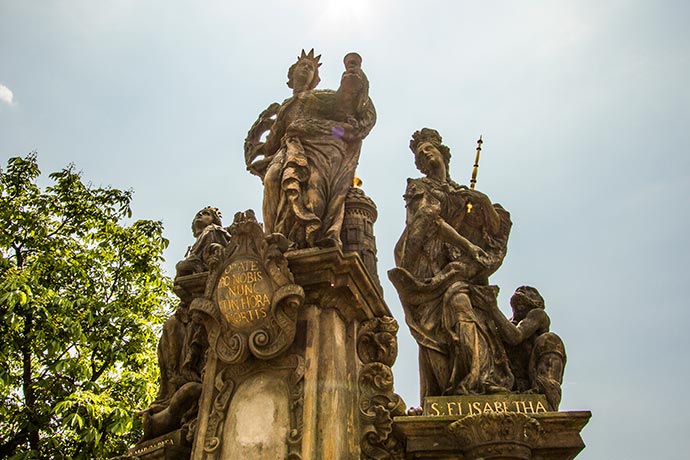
point(451, 236)
point(535, 320)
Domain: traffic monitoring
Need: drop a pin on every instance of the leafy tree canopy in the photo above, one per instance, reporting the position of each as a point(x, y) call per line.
point(82, 297)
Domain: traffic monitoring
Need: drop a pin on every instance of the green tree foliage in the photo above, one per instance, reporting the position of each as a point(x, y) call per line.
point(82, 298)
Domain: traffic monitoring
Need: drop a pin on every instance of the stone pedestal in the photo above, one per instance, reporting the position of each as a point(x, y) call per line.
point(329, 395)
point(495, 436)
point(170, 446)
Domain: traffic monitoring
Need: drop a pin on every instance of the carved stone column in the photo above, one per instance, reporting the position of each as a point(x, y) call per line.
point(348, 397)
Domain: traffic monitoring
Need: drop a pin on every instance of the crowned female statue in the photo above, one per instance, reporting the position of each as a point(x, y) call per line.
point(307, 162)
point(453, 240)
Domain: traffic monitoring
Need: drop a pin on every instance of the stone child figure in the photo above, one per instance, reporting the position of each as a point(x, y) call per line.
point(537, 356)
point(307, 162)
point(183, 342)
point(453, 240)
point(210, 237)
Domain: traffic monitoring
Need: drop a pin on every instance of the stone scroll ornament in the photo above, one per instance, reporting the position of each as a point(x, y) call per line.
point(250, 303)
point(377, 348)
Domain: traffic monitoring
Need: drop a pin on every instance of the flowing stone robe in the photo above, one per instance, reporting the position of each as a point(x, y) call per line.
point(313, 149)
point(460, 349)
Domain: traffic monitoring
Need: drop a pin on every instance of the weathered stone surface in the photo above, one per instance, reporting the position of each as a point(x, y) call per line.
point(461, 406)
point(539, 436)
point(454, 239)
point(170, 446)
point(350, 344)
point(537, 356)
point(357, 233)
point(258, 420)
point(307, 162)
point(378, 404)
point(337, 374)
point(337, 280)
point(226, 391)
point(183, 342)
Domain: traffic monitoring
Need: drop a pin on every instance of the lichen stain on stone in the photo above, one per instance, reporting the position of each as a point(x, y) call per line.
point(258, 420)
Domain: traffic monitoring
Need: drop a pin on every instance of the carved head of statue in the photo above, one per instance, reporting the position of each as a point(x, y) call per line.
point(429, 152)
point(303, 75)
point(524, 299)
point(352, 61)
point(204, 218)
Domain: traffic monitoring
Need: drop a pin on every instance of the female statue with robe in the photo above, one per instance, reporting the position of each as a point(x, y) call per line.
point(453, 240)
point(308, 160)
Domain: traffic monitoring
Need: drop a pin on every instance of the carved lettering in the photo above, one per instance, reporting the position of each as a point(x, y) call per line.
point(470, 405)
point(244, 293)
point(477, 407)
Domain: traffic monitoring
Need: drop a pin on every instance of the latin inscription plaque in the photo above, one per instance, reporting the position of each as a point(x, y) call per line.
point(244, 293)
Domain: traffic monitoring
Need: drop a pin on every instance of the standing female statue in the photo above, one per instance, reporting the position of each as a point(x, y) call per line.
point(308, 160)
point(453, 240)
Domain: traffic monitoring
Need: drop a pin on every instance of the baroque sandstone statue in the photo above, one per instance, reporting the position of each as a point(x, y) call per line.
point(453, 240)
point(272, 347)
point(307, 162)
point(183, 342)
point(210, 236)
point(537, 356)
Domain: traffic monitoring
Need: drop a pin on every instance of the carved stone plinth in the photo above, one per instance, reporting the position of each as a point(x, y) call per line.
point(494, 435)
point(171, 446)
point(329, 395)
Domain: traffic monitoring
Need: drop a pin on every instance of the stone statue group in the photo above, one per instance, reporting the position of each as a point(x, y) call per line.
point(305, 150)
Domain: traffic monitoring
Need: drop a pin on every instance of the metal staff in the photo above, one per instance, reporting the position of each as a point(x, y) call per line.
point(473, 181)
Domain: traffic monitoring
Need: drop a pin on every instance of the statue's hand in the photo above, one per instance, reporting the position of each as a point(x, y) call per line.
point(480, 256)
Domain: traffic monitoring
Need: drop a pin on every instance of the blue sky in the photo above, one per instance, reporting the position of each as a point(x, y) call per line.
point(584, 108)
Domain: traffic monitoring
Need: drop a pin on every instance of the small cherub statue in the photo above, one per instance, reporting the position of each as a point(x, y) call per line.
point(211, 238)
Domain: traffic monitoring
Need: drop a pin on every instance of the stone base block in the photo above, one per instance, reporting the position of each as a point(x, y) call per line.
point(497, 436)
point(170, 446)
